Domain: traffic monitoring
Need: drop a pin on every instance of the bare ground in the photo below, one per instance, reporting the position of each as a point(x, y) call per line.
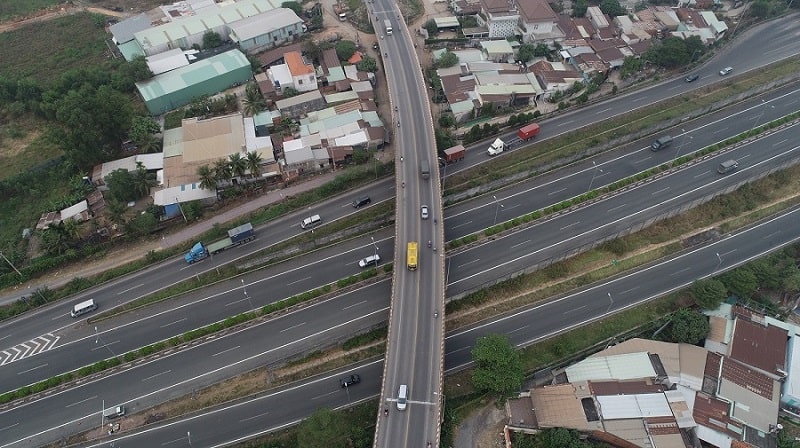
point(482, 429)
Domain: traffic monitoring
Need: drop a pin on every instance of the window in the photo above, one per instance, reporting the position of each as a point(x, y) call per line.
point(300, 81)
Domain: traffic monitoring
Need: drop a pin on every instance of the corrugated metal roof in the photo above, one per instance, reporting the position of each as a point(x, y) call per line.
point(180, 78)
point(618, 367)
point(497, 46)
point(633, 406)
point(166, 61)
point(263, 23)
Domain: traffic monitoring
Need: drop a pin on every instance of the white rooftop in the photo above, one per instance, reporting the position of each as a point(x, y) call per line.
point(616, 367)
point(614, 407)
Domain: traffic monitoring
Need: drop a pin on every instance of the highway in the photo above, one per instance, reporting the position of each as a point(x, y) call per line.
point(136, 286)
point(303, 331)
point(177, 316)
point(415, 343)
point(229, 424)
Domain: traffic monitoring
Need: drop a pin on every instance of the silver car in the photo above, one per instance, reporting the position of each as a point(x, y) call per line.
point(423, 211)
point(725, 71)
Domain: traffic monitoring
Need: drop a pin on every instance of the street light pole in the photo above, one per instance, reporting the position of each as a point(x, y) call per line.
point(376, 250)
point(496, 209)
point(593, 175)
point(683, 142)
point(244, 288)
point(763, 109)
point(719, 263)
point(611, 302)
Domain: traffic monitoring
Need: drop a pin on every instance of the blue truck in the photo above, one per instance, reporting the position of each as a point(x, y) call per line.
point(236, 236)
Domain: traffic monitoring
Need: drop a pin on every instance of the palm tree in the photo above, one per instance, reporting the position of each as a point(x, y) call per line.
point(253, 101)
point(222, 170)
point(142, 180)
point(237, 164)
point(254, 163)
point(207, 179)
point(150, 143)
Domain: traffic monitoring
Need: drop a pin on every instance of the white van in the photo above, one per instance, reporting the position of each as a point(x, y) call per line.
point(114, 412)
point(311, 221)
point(402, 397)
point(83, 308)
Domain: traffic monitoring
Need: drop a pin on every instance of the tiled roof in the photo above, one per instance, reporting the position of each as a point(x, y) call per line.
point(748, 378)
point(760, 346)
point(296, 64)
point(536, 11)
point(713, 413)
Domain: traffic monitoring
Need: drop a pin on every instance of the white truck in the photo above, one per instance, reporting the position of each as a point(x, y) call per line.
point(388, 25)
point(496, 148)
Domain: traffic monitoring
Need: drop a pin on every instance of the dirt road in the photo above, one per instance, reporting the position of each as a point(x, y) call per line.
point(53, 13)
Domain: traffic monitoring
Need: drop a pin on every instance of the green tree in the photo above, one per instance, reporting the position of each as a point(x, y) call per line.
point(447, 120)
point(150, 143)
point(760, 9)
point(368, 64)
point(253, 101)
point(541, 50)
point(579, 8)
point(345, 49)
point(612, 8)
point(237, 165)
point(56, 239)
point(211, 40)
point(525, 52)
point(559, 438)
point(695, 47)
point(142, 127)
point(143, 180)
point(670, 53)
point(630, 65)
point(222, 170)
point(294, 6)
point(740, 281)
point(447, 59)
point(790, 278)
point(121, 185)
point(444, 139)
point(254, 161)
point(708, 293)
point(116, 211)
point(143, 224)
point(766, 272)
point(322, 429)
point(207, 179)
point(688, 326)
point(498, 367)
point(431, 27)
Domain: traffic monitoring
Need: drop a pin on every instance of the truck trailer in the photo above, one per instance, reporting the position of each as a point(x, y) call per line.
point(425, 168)
point(496, 148)
point(528, 132)
point(236, 236)
point(454, 154)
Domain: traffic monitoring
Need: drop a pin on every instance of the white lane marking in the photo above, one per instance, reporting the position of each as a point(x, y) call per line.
point(130, 289)
point(156, 375)
point(772, 234)
point(173, 323)
point(629, 290)
point(570, 225)
point(616, 221)
point(237, 301)
point(720, 131)
point(32, 369)
point(681, 271)
point(614, 208)
point(635, 162)
point(557, 191)
point(704, 173)
point(8, 335)
point(298, 281)
point(575, 309)
point(520, 244)
point(780, 142)
point(253, 417)
point(226, 351)
point(355, 305)
point(566, 123)
point(659, 191)
point(82, 401)
point(173, 441)
point(461, 225)
point(293, 327)
point(100, 347)
point(469, 263)
point(518, 329)
point(727, 253)
point(602, 111)
point(8, 427)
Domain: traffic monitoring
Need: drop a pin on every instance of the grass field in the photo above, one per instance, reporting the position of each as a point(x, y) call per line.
point(21, 8)
point(43, 51)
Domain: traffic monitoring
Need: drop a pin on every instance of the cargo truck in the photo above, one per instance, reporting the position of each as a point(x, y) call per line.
point(454, 154)
point(388, 25)
point(236, 236)
point(425, 168)
point(496, 148)
point(528, 132)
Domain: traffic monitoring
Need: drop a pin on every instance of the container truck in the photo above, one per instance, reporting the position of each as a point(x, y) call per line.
point(454, 154)
point(388, 25)
point(496, 147)
point(528, 132)
point(425, 168)
point(236, 236)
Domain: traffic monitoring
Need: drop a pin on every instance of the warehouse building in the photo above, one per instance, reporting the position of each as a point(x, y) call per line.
point(178, 87)
point(266, 30)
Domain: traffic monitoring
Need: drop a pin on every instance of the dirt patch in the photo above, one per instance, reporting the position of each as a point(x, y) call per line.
point(482, 429)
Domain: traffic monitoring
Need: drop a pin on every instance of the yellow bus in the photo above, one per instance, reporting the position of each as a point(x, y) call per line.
point(411, 256)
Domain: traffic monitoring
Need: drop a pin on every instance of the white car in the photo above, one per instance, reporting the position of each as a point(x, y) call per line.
point(372, 260)
point(725, 71)
point(423, 211)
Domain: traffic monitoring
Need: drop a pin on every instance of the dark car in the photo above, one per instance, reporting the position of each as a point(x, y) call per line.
point(362, 201)
point(692, 77)
point(350, 380)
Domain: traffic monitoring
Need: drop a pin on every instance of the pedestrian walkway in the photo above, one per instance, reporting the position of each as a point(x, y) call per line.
point(189, 233)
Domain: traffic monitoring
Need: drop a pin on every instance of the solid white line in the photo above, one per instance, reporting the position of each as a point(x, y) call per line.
point(156, 375)
point(611, 223)
point(130, 289)
point(32, 369)
point(82, 401)
point(225, 351)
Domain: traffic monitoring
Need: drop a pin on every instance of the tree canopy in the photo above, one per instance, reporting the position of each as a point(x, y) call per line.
point(447, 59)
point(368, 64)
point(498, 367)
point(709, 293)
point(345, 49)
point(688, 326)
point(612, 8)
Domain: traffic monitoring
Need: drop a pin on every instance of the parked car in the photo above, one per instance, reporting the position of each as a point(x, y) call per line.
point(725, 71)
point(350, 380)
point(423, 211)
point(692, 77)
